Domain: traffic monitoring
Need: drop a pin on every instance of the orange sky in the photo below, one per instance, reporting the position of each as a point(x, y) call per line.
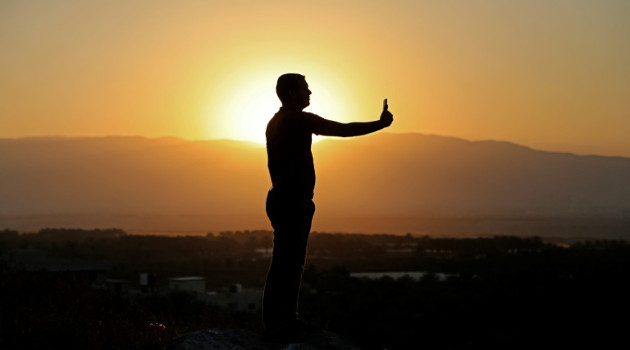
point(548, 74)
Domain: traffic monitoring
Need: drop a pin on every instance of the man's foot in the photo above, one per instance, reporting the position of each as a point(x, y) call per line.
point(294, 331)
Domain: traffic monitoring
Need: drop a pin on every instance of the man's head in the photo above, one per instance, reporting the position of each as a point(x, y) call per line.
point(292, 90)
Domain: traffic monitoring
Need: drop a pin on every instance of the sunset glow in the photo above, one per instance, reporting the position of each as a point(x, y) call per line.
point(249, 100)
point(547, 75)
point(473, 189)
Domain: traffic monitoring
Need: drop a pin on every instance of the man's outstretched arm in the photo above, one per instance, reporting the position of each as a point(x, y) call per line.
point(332, 128)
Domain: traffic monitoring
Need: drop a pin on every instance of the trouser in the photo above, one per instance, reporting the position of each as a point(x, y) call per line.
point(291, 221)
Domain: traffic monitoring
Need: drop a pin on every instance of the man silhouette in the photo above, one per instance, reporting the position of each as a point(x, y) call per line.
point(289, 204)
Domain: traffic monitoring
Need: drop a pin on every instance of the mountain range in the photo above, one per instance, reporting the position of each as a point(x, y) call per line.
point(377, 183)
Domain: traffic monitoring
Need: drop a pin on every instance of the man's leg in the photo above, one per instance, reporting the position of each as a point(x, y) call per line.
point(291, 220)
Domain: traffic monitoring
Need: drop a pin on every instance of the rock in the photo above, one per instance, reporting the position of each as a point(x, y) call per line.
point(240, 339)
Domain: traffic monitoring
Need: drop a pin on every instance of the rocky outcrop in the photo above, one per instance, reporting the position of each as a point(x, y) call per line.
point(240, 339)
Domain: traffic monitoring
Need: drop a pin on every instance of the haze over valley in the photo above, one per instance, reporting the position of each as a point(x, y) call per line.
point(394, 183)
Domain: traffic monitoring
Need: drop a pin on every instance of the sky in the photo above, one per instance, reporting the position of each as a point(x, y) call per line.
point(551, 75)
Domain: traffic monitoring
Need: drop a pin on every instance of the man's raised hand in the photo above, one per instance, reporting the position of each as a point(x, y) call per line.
point(386, 117)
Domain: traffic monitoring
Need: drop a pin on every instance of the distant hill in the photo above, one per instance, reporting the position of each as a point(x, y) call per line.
point(174, 184)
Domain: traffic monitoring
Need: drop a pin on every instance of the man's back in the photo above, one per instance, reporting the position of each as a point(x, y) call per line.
point(290, 160)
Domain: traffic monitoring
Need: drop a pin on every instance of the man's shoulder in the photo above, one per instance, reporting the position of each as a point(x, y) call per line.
point(294, 121)
point(294, 113)
point(295, 117)
point(310, 115)
point(314, 119)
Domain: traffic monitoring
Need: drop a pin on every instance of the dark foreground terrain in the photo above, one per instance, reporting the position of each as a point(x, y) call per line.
point(81, 289)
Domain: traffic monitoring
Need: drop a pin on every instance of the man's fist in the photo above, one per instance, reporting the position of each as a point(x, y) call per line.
point(386, 117)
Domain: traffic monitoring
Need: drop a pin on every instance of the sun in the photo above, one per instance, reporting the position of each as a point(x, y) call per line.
point(250, 101)
point(257, 104)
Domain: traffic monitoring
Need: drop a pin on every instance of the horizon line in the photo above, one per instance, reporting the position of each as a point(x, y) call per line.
point(262, 144)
